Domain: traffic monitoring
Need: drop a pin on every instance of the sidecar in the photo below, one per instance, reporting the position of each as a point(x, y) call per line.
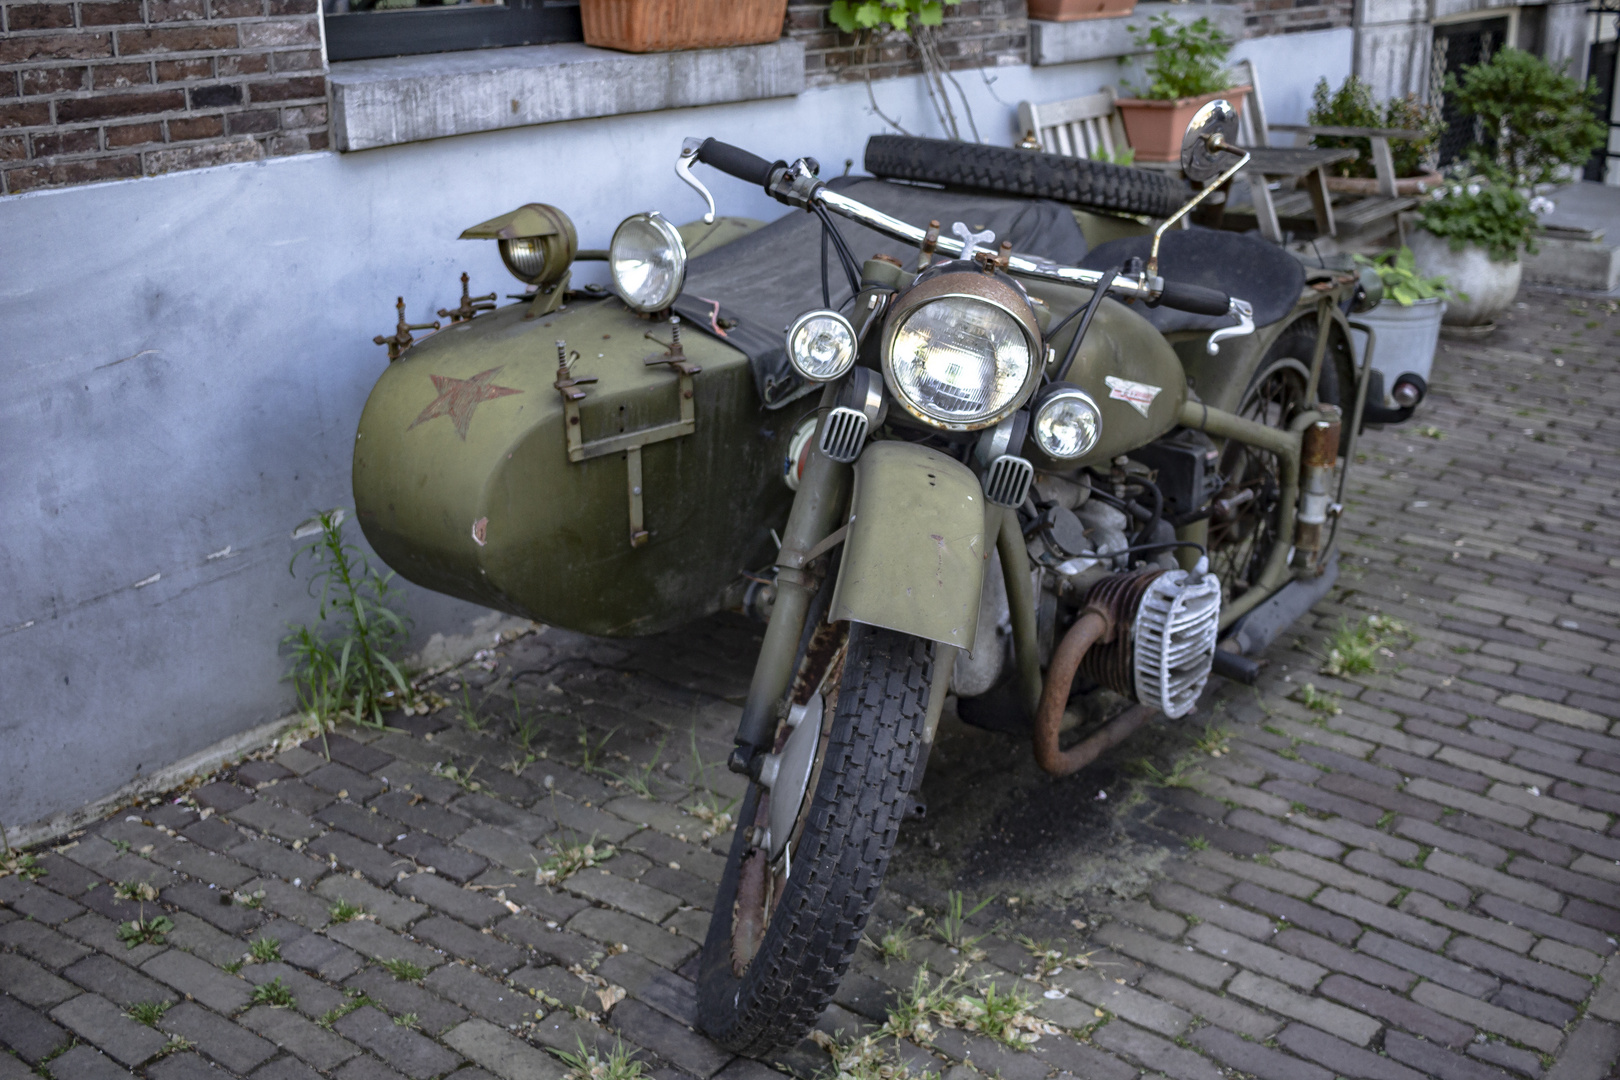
point(634, 484)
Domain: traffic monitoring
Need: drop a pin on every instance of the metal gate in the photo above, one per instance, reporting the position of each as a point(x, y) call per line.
point(1600, 68)
point(1458, 46)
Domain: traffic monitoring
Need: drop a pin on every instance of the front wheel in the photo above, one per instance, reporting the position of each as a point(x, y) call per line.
point(789, 915)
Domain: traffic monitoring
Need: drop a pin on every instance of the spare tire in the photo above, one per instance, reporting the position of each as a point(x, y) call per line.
point(1097, 185)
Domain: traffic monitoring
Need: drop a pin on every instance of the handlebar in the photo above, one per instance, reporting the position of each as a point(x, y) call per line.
point(735, 161)
point(1194, 298)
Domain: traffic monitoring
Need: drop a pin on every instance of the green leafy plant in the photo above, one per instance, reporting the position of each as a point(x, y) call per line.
point(866, 1058)
point(16, 862)
point(343, 911)
point(570, 859)
point(1489, 214)
point(148, 1012)
point(1125, 155)
point(273, 993)
point(404, 970)
point(139, 891)
point(265, 950)
point(952, 926)
point(1198, 843)
point(638, 779)
point(344, 664)
point(1536, 122)
point(1188, 60)
point(1397, 271)
point(1355, 650)
point(1316, 701)
point(590, 756)
point(586, 1063)
point(357, 1000)
point(919, 21)
point(145, 931)
point(895, 944)
point(408, 1020)
point(954, 1002)
point(1353, 105)
point(851, 16)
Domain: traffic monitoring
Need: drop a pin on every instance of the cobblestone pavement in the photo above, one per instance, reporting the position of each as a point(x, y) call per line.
point(1409, 872)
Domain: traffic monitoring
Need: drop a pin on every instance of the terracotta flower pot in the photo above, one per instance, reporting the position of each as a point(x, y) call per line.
point(643, 26)
point(1075, 10)
point(1155, 128)
point(1368, 185)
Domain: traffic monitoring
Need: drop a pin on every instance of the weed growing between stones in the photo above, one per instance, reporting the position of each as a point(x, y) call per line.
point(1316, 701)
point(343, 911)
point(145, 931)
point(273, 993)
point(404, 970)
point(895, 944)
point(265, 950)
point(637, 779)
point(148, 1012)
point(15, 862)
point(357, 1000)
point(865, 1059)
point(570, 859)
point(617, 1064)
point(343, 664)
point(955, 1002)
point(1355, 650)
point(952, 926)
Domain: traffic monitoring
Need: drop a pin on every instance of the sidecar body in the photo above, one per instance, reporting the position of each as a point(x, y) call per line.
point(647, 499)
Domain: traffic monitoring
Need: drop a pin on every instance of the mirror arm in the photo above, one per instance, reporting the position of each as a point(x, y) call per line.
point(1216, 143)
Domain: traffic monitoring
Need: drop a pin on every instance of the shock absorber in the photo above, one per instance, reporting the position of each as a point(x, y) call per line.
point(1320, 453)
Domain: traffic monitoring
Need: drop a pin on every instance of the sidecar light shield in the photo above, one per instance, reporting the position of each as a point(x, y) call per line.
point(961, 350)
point(648, 262)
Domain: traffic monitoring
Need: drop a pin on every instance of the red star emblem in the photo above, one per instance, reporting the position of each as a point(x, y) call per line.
point(459, 397)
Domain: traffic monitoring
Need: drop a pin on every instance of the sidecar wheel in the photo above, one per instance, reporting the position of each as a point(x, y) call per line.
point(814, 914)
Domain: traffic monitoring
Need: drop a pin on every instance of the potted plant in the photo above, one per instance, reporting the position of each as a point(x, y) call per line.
point(1186, 70)
point(643, 26)
point(1407, 320)
point(1075, 10)
point(1352, 106)
point(1536, 126)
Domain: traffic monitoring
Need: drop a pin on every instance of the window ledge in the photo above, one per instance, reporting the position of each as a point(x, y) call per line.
point(409, 98)
point(1108, 39)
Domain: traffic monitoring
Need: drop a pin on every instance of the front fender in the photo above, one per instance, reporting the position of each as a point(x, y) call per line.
point(915, 551)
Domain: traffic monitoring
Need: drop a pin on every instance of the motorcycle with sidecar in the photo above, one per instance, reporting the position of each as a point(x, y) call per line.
point(1045, 459)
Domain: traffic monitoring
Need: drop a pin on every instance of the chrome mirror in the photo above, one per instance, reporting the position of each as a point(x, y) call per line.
point(1212, 131)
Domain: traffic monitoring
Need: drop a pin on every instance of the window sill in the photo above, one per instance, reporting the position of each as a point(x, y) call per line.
point(1111, 39)
point(410, 98)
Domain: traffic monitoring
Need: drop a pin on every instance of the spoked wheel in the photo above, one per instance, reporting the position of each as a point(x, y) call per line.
point(1244, 528)
point(814, 837)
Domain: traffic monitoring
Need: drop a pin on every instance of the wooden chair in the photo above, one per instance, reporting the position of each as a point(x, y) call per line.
point(1085, 127)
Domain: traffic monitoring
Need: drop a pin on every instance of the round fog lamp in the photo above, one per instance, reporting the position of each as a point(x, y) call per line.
point(1067, 423)
point(821, 345)
point(648, 262)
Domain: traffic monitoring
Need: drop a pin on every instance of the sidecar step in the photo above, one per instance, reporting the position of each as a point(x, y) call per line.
point(1260, 627)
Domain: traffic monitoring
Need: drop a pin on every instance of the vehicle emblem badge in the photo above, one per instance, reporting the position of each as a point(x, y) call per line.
point(459, 397)
point(1137, 395)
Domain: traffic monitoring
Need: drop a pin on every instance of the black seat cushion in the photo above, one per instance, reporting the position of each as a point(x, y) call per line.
point(1246, 267)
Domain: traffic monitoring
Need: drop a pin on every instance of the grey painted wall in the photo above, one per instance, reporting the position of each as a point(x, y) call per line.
point(183, 359)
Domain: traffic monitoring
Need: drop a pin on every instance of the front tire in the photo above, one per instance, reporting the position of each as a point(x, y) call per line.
point(817, 911)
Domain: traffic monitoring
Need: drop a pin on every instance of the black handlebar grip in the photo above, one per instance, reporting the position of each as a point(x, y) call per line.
point(735, 161)
point(1194, 298)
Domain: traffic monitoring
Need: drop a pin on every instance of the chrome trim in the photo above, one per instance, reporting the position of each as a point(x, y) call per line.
point(1046, 402)
point(821, 313)
point(672, 237)
point(1006, 482)
point(843, 434)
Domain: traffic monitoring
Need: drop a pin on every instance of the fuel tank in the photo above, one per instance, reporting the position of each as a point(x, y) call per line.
point(473, 477)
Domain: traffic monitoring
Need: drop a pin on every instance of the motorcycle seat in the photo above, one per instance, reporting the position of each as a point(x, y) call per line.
point(1258, 271)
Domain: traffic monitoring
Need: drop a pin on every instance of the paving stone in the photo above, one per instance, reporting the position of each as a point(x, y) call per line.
point(311, 1043)
point(1153, 1052)
point(285, 1068)
point(1180, 959)
point(28, 1032)
point(1296, 912)
point(205, 867)
point(346, 751)
point(562, 946)
point(434, 1013)
point(585, 822)
point(1247, 954)
point(1481, 851)
point(613, 927)
point(42, 904)
point(1433, 1061)
point(417, 815)
point(630, 896)
point(1273, 995)
point(87, 1063)
point(369, 939)
point(281, 861)
point(1410, 1015)
point(390, 909)
point(663, 850)
point(1341, 1057)
point(279, 821)
point(1429, 965)
point(295, 795)
point(402, 1048)
point(1592, 1049)
point(198, 938)
point(1345, 961)
point(561, 986)
point(1331, 873)
point(199, 979)
point(1494, 1051)
point(455, 939)
point(116, 982)
point(215, 834)
point(481, 995)
point(668, 1039)
point(365, 1067)
point(40, 942)
point(102, 1024)
point(1219, 1010)
point(1579, 961)
point(378, 864)
point(1277, 832)
point(1535, 1005)
point(665, 991)
point(476, 908)
point(1517, 968)
point(28, 982)
point(1253, 1059)
point(501, 847)
point(1123, 1001)
point(258, 773)
point(1468, 802)
point(1442, 888)
point(366, 824)
point(295, 902)
point(1509, 937)
point(508, 818)
point(1485, 1017)
point(453, 863)
point(502, 1054)
point(221, 797)
point(213, 906)
point(320, 954)
point(232, 1046)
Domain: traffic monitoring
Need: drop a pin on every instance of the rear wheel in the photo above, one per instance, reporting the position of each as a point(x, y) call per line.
point(791, 911)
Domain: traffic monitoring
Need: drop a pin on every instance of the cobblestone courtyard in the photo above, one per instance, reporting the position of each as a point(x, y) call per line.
point(1409, 872)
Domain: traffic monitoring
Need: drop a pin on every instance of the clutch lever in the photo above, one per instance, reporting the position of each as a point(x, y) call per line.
point(1244, 312)
point(683, 169)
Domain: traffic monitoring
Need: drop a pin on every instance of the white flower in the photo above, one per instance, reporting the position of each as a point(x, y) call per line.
point(1473, 189)
point(1542, 205)
point(1439, 192)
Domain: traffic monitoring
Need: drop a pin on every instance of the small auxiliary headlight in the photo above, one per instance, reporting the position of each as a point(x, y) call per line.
point(821, 345)
point(537, 242)
point(648, 262)
point(1068, 423)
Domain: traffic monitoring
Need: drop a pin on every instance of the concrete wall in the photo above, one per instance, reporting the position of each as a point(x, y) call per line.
point(1393, 37)
point(184, 358)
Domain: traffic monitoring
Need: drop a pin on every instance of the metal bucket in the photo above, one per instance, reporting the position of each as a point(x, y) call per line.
point(1407, 337)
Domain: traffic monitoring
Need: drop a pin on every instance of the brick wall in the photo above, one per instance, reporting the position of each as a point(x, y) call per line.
point(107, 89)
point(976, 33)
point(1262, 17)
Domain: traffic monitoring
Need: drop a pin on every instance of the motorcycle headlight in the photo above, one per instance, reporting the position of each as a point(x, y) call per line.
point(821, 345)
point(648, 262)
point(961, 350)
point(1067, 422)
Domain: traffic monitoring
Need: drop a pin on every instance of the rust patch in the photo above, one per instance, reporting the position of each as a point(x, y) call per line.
point(480, 530)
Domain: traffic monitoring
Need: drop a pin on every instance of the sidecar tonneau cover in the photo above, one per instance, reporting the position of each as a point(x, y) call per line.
point(773, 275)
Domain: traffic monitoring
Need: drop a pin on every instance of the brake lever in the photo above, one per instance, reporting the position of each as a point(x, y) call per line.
point(683, 169)
point(1245, 315)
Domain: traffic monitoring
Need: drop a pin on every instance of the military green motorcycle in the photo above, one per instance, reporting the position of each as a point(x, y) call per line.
point(1041, 474)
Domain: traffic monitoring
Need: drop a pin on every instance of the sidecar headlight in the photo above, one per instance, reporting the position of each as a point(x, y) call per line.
point(648, 262)
point(821, 345)
point(960, 351)
point(1067, 422)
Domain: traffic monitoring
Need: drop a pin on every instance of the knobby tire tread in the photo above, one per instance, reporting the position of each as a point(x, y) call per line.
point(1034, 174)
point(853, 822)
